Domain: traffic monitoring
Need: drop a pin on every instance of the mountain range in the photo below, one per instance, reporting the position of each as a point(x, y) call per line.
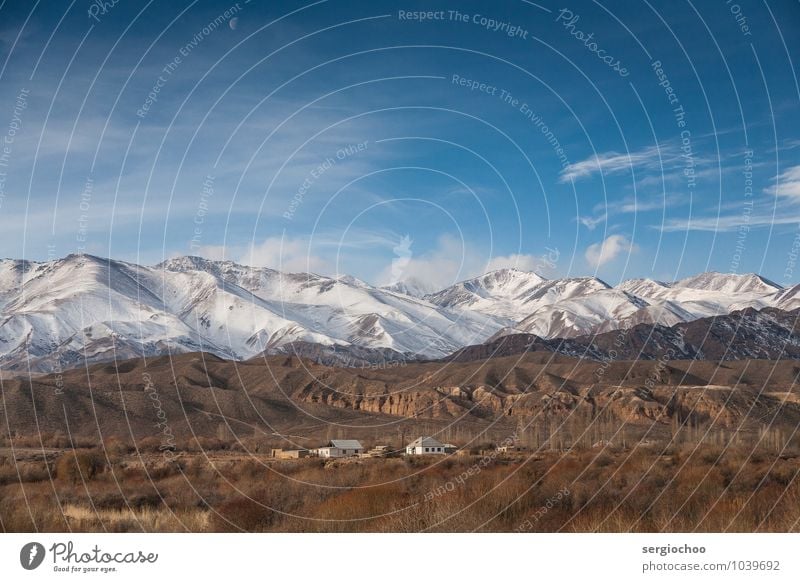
point(768, 334)
point(58, 314)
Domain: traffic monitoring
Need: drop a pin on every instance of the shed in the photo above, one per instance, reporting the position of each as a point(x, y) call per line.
point(290, 453)
point(425, 446)
point(338, 448)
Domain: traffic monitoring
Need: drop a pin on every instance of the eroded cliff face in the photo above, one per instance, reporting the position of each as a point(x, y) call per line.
point(195, 391)
point(636, 404)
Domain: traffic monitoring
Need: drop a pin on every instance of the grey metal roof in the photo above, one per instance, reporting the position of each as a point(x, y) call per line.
point(426, 442)
point(345, 444)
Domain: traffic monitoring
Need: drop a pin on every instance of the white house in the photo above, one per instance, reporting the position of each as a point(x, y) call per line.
point(425, 446)
point(340, 448)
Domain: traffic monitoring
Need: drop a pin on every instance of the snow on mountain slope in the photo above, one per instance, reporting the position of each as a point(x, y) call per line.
point(350, 311)
point(86, 308)
point(666, 313)
point(552, 292)
point(13, 274)
point(576, 306)
point(728, 284)
point(717, 288)
point(84, 305)
point(499, 293)
point(645, 288)
point(707, 294)
point(549, 308)
point(578, 315)
point(787, 299)
point(413, 287)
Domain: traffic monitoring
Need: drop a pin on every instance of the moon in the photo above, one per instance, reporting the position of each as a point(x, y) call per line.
point(233, 22)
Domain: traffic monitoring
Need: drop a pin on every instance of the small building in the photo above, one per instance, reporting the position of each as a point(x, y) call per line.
point(450, 449)
point(425, 446)
point(290, 453)
point(339, 448)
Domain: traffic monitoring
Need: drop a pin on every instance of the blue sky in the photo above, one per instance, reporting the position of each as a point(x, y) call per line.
point(573, 139)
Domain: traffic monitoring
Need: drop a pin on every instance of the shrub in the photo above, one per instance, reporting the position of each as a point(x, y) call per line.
point(149, 445)
point(242, 514)
point(76, 466)
point(115, 448)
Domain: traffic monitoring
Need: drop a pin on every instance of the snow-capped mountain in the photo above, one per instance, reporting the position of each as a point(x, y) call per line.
point(575, 307)
point(704, 295)
point(728, 283)
point(787, 299)
point(499, 293)
point(412, 286)
point(716, 288)
point(84, 308)
point(582, 314)
point(746, 334)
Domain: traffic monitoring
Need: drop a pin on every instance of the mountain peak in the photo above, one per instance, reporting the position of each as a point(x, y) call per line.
point(79, 305)
point(512, 271)
point(496, 293)
point(729, 283)
point(353, 281)
point(413, 287)
point(508, 276)
point(189, 263)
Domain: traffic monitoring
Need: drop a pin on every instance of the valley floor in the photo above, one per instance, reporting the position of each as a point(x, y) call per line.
point(680, 488)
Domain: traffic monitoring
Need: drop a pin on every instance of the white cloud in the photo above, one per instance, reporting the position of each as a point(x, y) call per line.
point(284, 254)
point(448, 262)
point(610, 163)
point(437, 268)
point(787, 184)
point(630, 205)
point(210, 252)
point(452, 261)
point(768, 213)
point(731, 222)
point(601, 253)
point(517, 261)
point(653, 165)
point(592, 222)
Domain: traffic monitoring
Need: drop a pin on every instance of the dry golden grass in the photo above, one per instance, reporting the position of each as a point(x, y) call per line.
point(146, 519)
point(687, 488)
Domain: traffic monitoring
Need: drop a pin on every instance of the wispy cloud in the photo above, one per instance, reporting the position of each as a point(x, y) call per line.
point(611, 163)
point(285, 254)
point(540, 264)
point(604, 252)
point(592, 222)
point(449, 261)
point(654, 165)
point(453, 260)
point(293, 255)
point(787, 184)
point(630, 205)
point(730, 222)
point(761, 214)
